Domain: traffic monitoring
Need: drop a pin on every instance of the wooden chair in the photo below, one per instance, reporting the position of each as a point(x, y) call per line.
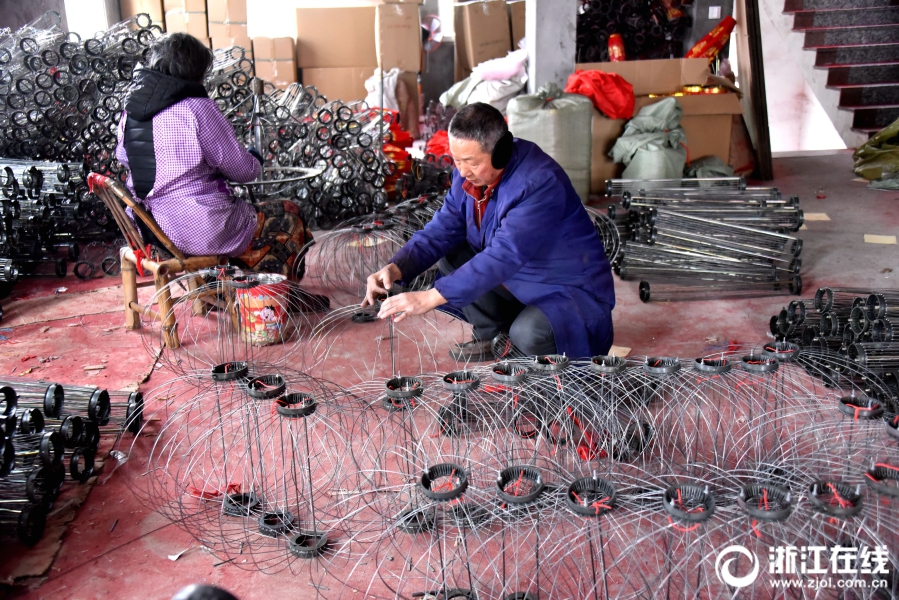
point(135, 259)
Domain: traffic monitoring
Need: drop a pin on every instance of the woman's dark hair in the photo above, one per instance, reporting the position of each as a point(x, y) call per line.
point(479, 122)
point(180, 55)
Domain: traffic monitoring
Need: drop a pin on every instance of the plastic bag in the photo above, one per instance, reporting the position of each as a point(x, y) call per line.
point(878, 158)
point(438, 145)
point(511, 66)
point(373, 87)
point(610, 93)
point(710, 166)
point(653, 145)
point(560, 124)
point(494, 93)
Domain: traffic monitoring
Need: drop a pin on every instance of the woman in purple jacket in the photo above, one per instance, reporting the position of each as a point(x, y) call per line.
point(180, 151)
point(517, 251)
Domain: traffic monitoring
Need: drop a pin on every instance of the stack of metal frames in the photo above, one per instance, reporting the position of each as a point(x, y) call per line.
point(50, 435)
point(694, 239)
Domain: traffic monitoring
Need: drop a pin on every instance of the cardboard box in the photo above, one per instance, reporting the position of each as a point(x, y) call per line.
point(482, 33)
point(131, 8)
point(227, 11)
point(341, 83)
point(193, 23)
point(226, 42)
point(605, 133)
point(409, 111)
point(280, 73)
point(398, 37)
point(189, 6)
point(516, 21)
point(707, 121)
point(662, 76)
point(336, 38)
point(227, 30)
point(266, 48)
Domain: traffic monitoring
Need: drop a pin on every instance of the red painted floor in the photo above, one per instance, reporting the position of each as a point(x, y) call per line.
point(115, 548)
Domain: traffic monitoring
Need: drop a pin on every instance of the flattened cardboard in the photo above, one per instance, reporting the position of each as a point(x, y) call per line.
point(661, 76)
point(132, 8)
point(482, 33)
point(880, 239)
point(341, 83)
point(398, 37)
point(336, 37)
point(516, 21)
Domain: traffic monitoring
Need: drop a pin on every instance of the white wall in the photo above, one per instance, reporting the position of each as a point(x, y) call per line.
point(87, 17)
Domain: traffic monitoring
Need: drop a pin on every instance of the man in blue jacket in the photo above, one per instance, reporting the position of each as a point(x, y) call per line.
point(517, 251)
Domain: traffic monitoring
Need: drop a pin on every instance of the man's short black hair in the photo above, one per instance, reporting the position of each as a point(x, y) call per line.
point(180, 55)
point(479, 122)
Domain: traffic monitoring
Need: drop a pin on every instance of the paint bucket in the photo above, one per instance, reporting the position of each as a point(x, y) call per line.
point(262, 308)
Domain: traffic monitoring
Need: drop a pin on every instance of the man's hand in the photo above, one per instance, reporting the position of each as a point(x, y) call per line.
point(379, 283)
point(411, 303)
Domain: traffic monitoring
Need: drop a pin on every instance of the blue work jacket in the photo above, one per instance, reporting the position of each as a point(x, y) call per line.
point(536, 239)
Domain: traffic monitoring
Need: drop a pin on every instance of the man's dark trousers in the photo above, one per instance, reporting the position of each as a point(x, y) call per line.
point(498, 311)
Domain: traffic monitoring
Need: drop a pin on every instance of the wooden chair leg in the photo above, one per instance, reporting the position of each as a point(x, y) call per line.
point(129, 290)
point(198, 307)
point(233, 310)
point(168, 324)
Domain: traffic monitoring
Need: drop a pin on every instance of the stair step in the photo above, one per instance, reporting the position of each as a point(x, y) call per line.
point(834, 19)
point(852, 36)
point(874, 119)
point(858, 55)
point(870, 97)
point(791, 6)
point(841, 77)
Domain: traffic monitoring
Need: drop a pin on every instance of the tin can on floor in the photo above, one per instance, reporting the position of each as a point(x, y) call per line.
point(262, 308)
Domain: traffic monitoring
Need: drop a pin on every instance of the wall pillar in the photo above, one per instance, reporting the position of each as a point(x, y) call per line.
point(550, 33)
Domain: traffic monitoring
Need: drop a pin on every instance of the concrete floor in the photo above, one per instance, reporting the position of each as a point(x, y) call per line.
point(116, 548)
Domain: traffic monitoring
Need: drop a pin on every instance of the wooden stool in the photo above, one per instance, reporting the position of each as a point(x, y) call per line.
point(135, 258)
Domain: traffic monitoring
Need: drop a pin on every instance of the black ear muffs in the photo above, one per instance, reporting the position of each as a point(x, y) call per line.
point(502, 152)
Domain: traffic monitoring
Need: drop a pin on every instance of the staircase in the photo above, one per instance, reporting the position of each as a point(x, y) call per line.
point(857, 41)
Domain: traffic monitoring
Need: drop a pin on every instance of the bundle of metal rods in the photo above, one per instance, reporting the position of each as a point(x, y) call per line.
point(612, 230)
point(325, 155)
point(51, 434)
point(64, 96)
point(432, 175)
point(46, 215)
point(616, 187)
point(857, 323)
point(647, 29)
point(686, 242)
